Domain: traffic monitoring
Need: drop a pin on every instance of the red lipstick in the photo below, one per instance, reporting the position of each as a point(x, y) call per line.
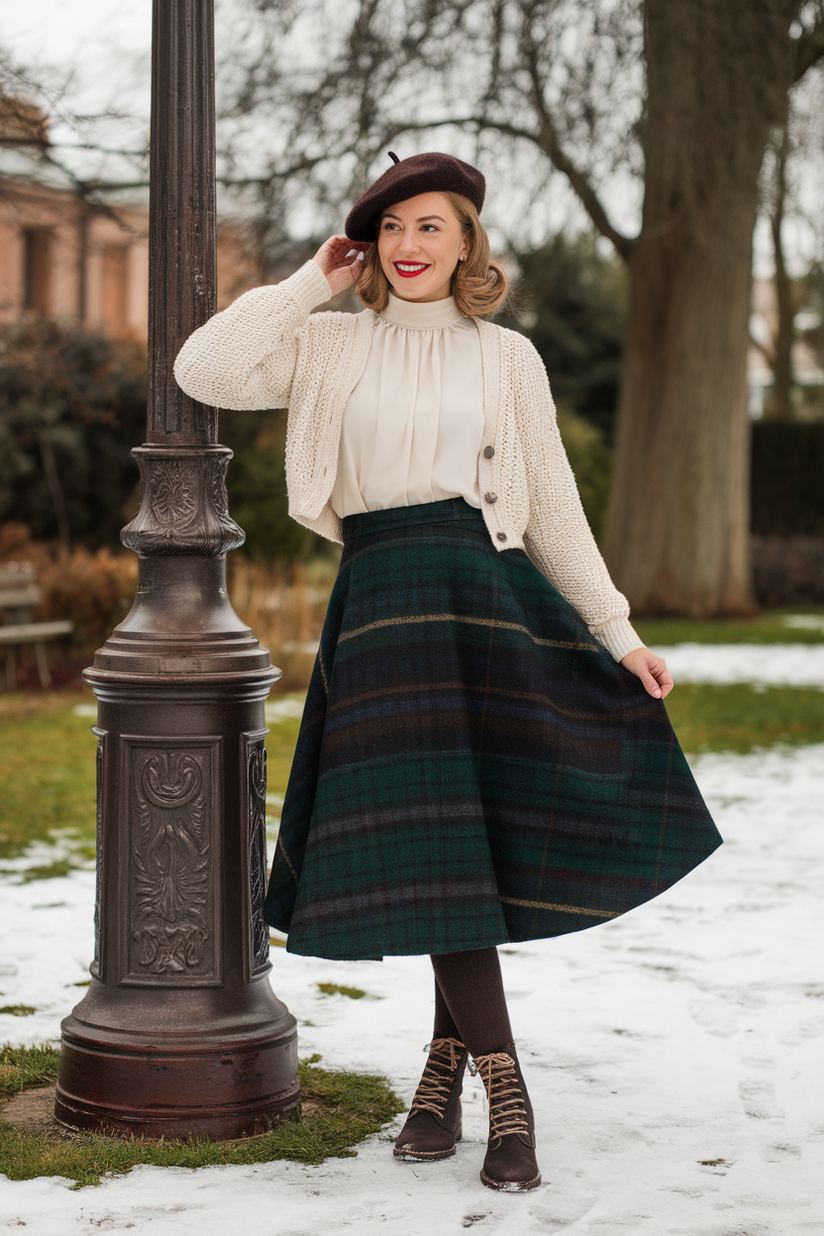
point(410, 274)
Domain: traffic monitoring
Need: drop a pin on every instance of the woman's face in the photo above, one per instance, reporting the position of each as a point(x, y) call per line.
point(420, 242)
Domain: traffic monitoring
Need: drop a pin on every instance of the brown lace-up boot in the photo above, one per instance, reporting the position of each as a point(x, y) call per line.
point(510, 1162)
point(434, 1122)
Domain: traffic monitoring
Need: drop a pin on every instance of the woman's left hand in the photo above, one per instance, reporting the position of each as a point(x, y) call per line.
point(651, 669)
point(341, 261)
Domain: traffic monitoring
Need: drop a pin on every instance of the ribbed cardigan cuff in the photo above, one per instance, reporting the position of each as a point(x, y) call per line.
point(618, 637)
point(308, 286)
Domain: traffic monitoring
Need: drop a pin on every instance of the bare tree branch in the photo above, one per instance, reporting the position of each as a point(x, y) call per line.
point(547, 140)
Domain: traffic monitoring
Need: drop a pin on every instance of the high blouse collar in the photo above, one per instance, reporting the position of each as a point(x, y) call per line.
point(425, 316)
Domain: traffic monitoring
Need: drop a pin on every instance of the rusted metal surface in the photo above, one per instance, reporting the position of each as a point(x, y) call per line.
point(180, 1032)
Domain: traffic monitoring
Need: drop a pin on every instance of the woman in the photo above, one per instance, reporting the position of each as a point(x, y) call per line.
point(484, 755)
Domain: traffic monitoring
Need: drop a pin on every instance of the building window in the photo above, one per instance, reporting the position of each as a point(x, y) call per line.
point(37, 259)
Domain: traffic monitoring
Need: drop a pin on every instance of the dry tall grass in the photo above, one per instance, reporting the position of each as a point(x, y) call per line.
point(285, 608)
point(93, 590)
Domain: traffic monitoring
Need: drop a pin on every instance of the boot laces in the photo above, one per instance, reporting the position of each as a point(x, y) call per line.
point(507, 1109)
point(435, 1086)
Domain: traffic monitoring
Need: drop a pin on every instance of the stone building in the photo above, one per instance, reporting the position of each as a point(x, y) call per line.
point(82, 255)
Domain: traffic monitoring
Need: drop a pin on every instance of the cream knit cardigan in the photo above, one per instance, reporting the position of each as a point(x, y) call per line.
point(267, 350)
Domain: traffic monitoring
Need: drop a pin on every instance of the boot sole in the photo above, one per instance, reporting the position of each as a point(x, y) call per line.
point(424, 1156)
point(510, 1186)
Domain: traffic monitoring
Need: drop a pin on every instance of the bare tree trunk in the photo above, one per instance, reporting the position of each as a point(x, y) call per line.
point(678, 524)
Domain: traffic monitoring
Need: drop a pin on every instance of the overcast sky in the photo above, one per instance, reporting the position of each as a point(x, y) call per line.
point(58, 30)
point(93, 57)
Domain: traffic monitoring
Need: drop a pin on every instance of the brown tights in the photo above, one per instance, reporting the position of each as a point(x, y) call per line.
point(470, 1004)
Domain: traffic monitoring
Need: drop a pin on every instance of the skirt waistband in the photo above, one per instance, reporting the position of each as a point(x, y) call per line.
point(447, 511)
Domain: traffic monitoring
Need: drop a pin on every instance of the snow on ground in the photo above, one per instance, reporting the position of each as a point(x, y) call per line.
point(794, 665)
point(674, 1057)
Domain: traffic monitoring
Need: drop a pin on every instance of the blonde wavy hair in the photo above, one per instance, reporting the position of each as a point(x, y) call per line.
point(478, 284)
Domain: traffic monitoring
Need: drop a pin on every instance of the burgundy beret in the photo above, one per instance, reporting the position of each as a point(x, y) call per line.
point(423, 173)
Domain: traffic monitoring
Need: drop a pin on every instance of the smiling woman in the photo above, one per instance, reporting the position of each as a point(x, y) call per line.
point(484, 755)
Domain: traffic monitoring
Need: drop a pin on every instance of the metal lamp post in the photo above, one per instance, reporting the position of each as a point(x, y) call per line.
point(180, 1032)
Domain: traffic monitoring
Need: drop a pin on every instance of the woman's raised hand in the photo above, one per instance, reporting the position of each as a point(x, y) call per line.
point(651, 669)
point(341, 260)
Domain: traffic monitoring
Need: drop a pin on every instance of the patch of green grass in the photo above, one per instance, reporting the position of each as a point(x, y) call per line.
point(61, 866)
point(22, 1067)
point(767, 628)
point(334, 989)
point(339, 1110)
point(18, 1010)
point(740, 718)
point(47, 777)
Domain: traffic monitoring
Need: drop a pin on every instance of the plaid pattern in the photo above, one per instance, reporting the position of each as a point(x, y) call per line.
point(473, 767)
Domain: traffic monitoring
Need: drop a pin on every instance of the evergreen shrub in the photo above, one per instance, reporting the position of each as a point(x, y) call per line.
point(787, 478)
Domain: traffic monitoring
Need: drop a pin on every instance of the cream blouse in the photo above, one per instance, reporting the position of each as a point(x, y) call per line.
point(413, 424)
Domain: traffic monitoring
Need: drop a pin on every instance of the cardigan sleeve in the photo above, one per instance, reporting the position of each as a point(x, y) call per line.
point(558, 537)
point(244, 357)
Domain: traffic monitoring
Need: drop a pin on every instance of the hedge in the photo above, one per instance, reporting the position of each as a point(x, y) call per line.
point(787, 478)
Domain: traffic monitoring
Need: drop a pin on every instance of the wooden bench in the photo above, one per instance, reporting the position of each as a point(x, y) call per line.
point(19, 596)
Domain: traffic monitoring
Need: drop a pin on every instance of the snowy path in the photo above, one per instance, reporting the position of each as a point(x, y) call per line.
point(688, 1031)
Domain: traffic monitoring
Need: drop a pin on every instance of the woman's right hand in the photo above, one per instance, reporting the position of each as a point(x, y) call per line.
point(341, 261)
point(651, 669)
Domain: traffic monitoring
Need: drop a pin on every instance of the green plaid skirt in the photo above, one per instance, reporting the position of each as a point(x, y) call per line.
point(473, 768)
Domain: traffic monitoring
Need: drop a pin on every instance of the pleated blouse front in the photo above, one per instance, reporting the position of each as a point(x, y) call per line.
point(413, 425)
